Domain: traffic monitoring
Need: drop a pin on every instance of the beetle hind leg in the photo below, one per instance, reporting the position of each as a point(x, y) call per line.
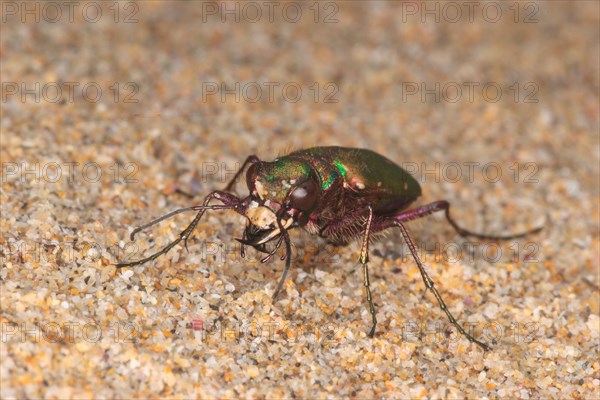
point(431, 286)
point(382, 223)
point(443, 205)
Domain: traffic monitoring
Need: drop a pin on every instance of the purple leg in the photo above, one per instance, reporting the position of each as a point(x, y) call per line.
point(430, 285)
point(381, 223)
point(250, 160)
point(339, 230)
point(288, 256)
point(443, 205)
point(230, 202)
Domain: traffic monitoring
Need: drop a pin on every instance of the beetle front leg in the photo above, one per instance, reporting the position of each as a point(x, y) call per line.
point(364, 260)
point(288, 258)
point(250, 160)
point(230, 202)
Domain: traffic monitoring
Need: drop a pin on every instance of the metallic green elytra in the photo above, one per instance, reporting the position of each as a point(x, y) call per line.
point(363, 171)
point(338, 193)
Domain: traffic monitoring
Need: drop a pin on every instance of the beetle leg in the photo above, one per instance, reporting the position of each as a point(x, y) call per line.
point(288, 259)
point(230, 202)
point(443, 205)
point(157, 220)
point(338, 226)
point(272, 252)
point(250, 160)
point(430, 285)
point(184, 193)
point(364, 260)
point(242, 251)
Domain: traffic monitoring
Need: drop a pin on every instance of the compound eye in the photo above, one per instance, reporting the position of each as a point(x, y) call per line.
point(304, 196)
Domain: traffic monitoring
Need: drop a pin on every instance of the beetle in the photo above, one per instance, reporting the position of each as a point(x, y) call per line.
point(338, 193)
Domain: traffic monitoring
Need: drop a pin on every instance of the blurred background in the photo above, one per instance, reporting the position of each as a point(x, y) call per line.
point(108, 108)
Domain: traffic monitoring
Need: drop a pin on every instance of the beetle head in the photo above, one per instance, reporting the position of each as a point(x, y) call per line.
point(283, 193)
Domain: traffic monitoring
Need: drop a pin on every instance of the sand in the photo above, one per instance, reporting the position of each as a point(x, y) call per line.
point(108, 112)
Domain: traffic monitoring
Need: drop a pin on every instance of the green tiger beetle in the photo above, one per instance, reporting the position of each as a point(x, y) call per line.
point(337, 193)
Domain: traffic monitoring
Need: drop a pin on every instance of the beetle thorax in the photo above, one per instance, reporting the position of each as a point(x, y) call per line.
point(273, 180)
